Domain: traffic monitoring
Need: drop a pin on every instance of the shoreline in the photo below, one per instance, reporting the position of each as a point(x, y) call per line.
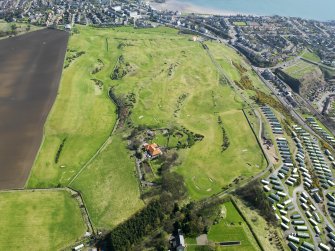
point(175, 5)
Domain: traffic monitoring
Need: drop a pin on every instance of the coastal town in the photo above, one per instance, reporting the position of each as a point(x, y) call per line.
point(292, 123)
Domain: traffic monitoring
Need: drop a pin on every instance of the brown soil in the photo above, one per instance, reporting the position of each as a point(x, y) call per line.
point(30, 71)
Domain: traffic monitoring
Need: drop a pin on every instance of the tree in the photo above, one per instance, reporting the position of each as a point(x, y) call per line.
point(13, 28)
point(174, 184)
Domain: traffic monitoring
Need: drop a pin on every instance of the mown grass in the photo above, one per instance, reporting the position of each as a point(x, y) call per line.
point(39, 220)
point(232, 228)
point(300, 69)
point(165, 69)
point(164, 66)
point(80, 115)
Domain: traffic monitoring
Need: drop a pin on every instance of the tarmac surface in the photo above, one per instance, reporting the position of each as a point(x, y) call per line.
point(30, 71)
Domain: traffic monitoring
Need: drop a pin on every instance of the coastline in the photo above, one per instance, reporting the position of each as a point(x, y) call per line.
point(176, 5)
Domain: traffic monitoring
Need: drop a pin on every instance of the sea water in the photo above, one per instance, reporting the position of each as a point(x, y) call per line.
point(322, 10)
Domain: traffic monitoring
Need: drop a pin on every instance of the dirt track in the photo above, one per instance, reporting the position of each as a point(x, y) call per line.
point(30, 71)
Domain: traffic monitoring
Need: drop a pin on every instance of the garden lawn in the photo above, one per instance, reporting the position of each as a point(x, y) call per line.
point(232, 228)
point(39, 220)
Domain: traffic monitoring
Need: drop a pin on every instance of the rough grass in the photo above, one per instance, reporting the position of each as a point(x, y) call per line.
point(109, 186)
point(21, 28)
point(232, 228)
point(265, 232)
point(300, 69)
point(227, 57)
point(39, 220)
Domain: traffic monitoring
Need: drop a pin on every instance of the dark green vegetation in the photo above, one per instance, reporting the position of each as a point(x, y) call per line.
point(254, 195)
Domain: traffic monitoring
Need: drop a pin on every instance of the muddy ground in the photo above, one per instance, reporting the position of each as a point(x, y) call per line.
point(30, 72)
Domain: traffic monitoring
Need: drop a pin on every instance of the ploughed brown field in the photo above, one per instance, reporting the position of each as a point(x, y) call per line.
point(30, 71)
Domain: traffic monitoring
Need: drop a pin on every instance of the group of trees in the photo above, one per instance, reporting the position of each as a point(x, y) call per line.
point(197, 217)
point(226, 142)
point(253, 194)
point(127, 234)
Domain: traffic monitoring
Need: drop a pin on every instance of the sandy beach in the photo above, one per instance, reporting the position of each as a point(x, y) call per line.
point(176, 5)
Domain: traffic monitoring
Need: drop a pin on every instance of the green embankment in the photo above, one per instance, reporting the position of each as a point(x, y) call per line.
point(39, 220)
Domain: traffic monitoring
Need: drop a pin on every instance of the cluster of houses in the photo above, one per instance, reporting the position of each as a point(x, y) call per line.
point(282, 88)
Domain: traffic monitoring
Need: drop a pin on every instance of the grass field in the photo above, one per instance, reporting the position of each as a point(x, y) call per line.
point(311, 56)
point(39, 220)
point(232, 228)
point(160, 66)
point(167, 68)
point(240, 23)
point(300, 69)
point(227, 57)
point(81, 117)
point(6, 28)
point(109, 186)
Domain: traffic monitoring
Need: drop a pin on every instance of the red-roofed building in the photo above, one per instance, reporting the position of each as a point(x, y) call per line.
point(152, 149)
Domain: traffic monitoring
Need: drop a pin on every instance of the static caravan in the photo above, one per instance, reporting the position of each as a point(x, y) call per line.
point(285, 220)
point(314, 223)
point(293, 238)
point(298, 222)
point(266, 188)
point(283, 212)
point(308, 245)
point(317, 230)
point(284, 226)
point(286, 202)
point(296, 216)
point(301, 228)
point(324, 247)
point(302, 235)
point(308, 213)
